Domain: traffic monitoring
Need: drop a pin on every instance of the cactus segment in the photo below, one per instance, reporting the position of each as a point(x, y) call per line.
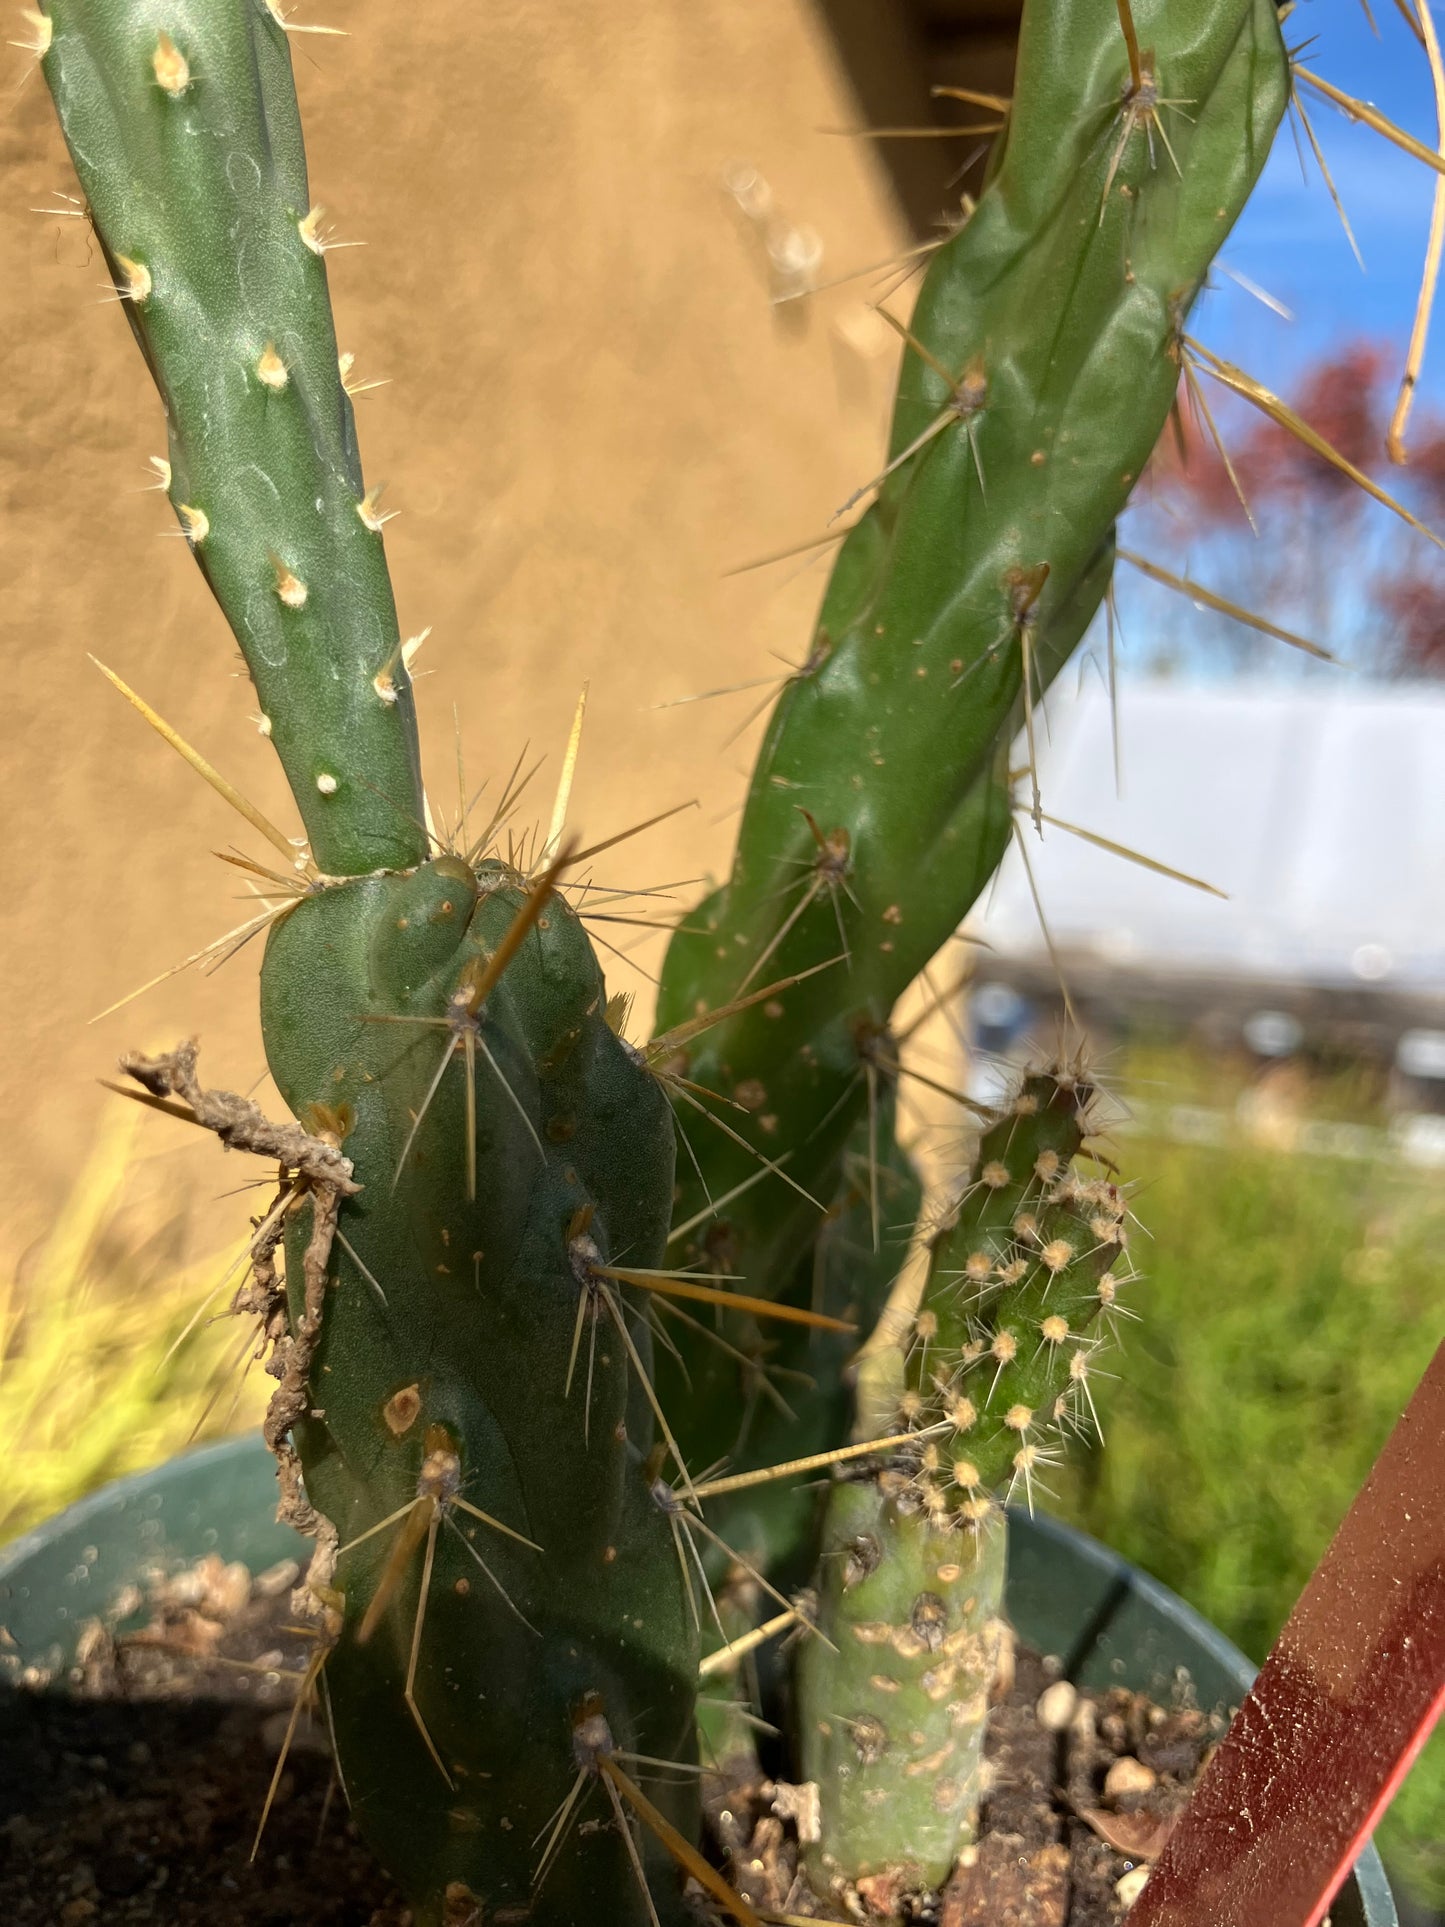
point(1039, 369)
point(896, 1716)
point(181, 119)
point(1020, 1282)
point(508, 1574)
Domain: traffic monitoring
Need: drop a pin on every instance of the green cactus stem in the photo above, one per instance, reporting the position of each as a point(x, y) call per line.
point(910, 1581)
point(181, 119)
point(513, 1623)
point(503, 1560)
point(897, 1722)
point(1039, 368)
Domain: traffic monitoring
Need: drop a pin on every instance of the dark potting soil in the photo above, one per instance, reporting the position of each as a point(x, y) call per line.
point(134, 1797)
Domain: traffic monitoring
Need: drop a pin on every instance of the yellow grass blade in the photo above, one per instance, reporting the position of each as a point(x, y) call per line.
point(93, 1381)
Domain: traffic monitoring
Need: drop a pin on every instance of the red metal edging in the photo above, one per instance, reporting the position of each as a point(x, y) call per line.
point(1340, 1709)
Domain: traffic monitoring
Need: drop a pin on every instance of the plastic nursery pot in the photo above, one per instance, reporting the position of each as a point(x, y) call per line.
point(1110, 1624)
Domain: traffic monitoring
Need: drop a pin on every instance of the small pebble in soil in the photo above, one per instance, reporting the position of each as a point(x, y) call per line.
point(1129, 1776)
point(1056, 1706)
point(1131, 1885)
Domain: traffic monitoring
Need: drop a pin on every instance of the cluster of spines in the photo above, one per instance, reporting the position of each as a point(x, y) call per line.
point(1022, 1281)
point(911, 1575)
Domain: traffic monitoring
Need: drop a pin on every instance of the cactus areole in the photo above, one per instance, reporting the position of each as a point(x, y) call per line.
point(480, 1192)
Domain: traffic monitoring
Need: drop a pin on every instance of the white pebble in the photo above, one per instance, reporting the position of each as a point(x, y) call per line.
point(1128, 1775)
point(1056, 1706)
point(1131, 1885)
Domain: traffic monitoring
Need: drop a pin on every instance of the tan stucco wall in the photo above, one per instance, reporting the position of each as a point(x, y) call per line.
point(592, 413)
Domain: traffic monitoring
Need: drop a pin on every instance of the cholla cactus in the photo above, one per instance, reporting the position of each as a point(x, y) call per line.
point(478, 1191)
point(1021, 1284)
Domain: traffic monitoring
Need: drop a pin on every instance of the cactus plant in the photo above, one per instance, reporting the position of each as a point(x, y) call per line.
point(514, 1612)
point(478, 1189)
point(911, 1571)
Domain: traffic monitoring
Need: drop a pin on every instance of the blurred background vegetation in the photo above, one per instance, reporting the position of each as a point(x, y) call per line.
point(115, 1348)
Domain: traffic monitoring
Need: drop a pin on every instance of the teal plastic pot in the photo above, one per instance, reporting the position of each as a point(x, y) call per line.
point(1111, 1624)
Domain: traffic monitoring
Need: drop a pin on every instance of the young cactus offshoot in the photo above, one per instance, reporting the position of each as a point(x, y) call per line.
point(892, 1704)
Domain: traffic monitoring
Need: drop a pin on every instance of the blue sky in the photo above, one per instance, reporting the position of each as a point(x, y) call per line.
point(1289, 239)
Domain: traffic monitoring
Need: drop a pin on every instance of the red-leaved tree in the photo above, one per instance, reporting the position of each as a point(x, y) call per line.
point(1323, 557)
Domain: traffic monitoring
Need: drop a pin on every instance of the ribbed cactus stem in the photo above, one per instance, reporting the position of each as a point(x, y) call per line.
point(897, 1717)
point(503, 1558)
